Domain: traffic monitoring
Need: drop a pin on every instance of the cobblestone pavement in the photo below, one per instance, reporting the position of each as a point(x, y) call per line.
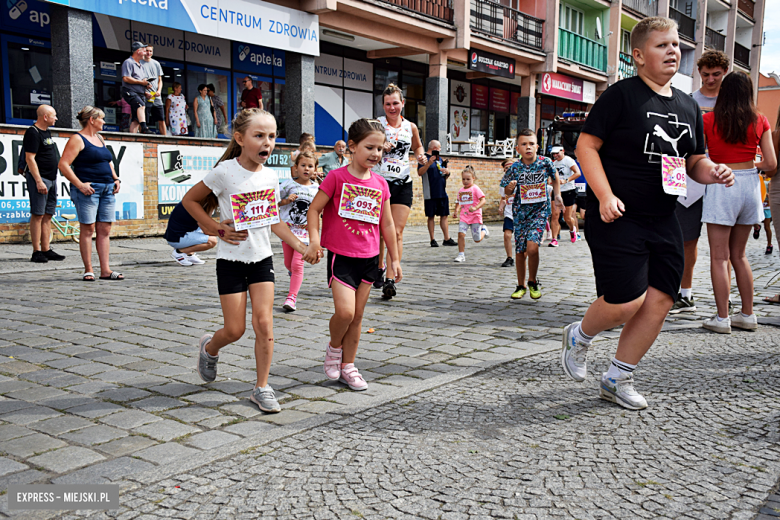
point(97, 380)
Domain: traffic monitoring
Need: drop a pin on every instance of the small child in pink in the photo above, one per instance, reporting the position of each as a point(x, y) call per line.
point(469, 205)
point(353, 201)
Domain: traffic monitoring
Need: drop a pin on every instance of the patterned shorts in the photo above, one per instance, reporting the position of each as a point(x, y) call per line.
point(530, 223)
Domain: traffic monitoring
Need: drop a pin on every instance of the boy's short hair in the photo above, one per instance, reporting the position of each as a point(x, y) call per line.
point(714, 59)
point(526, 132)
point(641, 31)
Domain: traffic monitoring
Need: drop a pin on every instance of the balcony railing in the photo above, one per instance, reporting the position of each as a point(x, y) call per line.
point(439, 9)
point(686, 24)
point(506, 23)
point(714, 40)
point(626, 67)
point(645, 7)
point(742, 55)
point(576, 48)
point(746, 6)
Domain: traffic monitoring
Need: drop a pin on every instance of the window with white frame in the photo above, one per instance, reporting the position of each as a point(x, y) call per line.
point(625, 41)
point(572, 19)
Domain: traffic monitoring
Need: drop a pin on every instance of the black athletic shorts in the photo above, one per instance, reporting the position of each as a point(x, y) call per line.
point(633, 253)
point(154, 113)
point(437, 207)
point(690, 219)
point(351, 271)
point(136, 100)
point(236, 277)
point(401, 193)
point(582, 201)
point(569, 197)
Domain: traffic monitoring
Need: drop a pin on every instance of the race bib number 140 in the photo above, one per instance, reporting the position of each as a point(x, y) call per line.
point(360, 203)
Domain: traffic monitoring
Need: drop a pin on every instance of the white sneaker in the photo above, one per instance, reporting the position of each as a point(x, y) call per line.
point(195, 259)
point(745, 323)
point(461, 257)
point(182, 258)
point(621, 391)
point(486, 230)
point(574, 354)
point(721, 327)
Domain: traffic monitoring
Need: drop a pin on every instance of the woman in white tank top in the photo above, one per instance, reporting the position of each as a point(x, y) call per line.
point(403, 137)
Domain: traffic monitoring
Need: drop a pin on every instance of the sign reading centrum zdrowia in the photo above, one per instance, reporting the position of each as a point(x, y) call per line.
point(251, 21)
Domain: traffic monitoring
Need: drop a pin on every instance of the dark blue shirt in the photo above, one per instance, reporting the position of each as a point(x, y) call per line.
point(434, 183)
point(93, 163)
point(180, 223)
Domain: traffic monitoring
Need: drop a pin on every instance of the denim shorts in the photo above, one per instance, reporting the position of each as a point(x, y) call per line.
point(192, 238)
point(98, 207)
point(42, 203)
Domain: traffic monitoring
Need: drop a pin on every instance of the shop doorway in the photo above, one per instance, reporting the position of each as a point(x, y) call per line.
point(195, 76)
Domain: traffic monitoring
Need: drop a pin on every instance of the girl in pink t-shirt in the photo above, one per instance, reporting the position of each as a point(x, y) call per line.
point(352, 200)
point(470, 202)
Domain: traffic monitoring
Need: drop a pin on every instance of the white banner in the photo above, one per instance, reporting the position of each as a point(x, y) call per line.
point(15, 201)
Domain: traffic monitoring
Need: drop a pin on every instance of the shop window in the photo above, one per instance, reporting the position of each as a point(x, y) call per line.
point(382, 78)
point(479, 122)
point(278, 112)
point(196, 76)
point(30, 84)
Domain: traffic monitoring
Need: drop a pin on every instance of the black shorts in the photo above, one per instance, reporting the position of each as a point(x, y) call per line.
point(633, 253)
point(582, 201)
point(154, 113)
point(437, 207)
point(352, 271)
point(136, 100)
point(569, 197)
point(236, 277)
point(690, 219)
point(401, 193)
point(509, 224)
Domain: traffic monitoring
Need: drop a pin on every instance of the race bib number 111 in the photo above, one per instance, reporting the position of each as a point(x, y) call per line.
point(254, 209)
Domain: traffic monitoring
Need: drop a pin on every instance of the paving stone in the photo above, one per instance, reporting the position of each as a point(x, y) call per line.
point(166, 430)
point(288, 417)
point(243, 408)
point(8, 466)
point(210, 398)
point(310, 391)
point(36, 394)
point(175, 389)
point(12, 431)
point(319, 407)
point(66, 459)
point(248, 428)
point(158, 404)
point(24, 447)
point(192, 414)
point(61, 424)
point(123, 394)
point(105, 472)
point(210, 439)
point(95, 409)
point(125, 446)
point(29, 415)
point(129, 419)
point(94, 435)
point(217, 422)
point(166, 453)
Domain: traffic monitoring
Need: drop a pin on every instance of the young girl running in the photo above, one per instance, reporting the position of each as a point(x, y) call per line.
point(244, 261)
point(296, 195)
point(470, 202)
point(354, 204)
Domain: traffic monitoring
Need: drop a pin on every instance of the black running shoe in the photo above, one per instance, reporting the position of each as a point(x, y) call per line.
point(388, 289)
point(380, 275)
point(449, 242)
point(434, 243)
point(51, 255)
point(509, 262)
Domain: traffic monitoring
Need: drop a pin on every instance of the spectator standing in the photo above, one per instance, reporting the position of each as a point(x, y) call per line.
point(134, 85)
point(733, 131)
point(220, 112)
point(713, 66)
point(335, 159)
point(154, 101)
point(89, 166)
point(176, 111)
point(434, 175)
point(251, 97)
point(40, 153)
point(204, 114)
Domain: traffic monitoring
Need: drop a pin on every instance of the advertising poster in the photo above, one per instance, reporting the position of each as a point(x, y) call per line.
point(181, 167)
point(479, 96)
point(459, 123)
point(128, 161)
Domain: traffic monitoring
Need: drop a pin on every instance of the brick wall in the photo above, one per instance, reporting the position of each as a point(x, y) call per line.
point(488, 172)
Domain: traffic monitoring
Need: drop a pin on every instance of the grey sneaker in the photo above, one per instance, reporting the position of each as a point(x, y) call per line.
point(207, 364)
point(621, 391)
point(265, 399)
point(683, 304)
point(574, 354)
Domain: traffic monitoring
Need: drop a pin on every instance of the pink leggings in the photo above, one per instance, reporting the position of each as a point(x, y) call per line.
point(293, 261)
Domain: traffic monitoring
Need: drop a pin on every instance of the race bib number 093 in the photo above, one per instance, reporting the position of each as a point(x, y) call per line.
point(360, 203)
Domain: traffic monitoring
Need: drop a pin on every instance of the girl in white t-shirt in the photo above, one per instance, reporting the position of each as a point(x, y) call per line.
point(294, 199)
point(244, 258)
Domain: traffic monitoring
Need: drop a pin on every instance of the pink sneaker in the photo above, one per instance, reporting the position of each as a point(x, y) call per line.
point(332, 366)
point(553, 243)
point(352, 378)
point(289, 304)
point(573, 236)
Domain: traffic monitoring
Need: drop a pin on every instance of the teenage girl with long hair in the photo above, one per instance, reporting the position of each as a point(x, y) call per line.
point(244, 258)
point(733, 131)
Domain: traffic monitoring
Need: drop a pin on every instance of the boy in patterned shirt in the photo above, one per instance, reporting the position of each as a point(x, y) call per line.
point(527, 181)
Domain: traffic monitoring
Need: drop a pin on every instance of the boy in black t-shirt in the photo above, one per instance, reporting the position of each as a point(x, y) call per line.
point(639, 136)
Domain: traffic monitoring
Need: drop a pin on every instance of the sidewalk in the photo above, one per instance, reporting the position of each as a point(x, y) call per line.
point(98, 380)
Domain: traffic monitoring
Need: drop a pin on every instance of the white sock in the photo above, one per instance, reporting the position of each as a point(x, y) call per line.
point(722, 319)
point(686, 293)
point(581, 336)
point(746, 315)
point(617, 368)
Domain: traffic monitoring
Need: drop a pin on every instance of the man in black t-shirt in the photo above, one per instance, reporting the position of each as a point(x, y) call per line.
point(41, 174)
point(640, 138)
